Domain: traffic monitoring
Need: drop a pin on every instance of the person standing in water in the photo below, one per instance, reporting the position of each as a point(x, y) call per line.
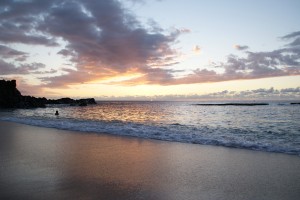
point(56, 113)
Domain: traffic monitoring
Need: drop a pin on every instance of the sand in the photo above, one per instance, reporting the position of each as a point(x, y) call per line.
point(43, 163)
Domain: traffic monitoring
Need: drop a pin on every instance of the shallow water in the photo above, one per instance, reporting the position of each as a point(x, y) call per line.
point(41, 163)
point(275, 127)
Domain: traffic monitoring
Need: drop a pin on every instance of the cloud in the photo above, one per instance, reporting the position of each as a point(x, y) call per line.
point(102, 36)
point(23, 69)
point(291, 35)
point(257, 94)
point(254, 65)
point(241, 47)
point(185, 30)
point(19, 20)
point(70, 77)
point(7, 52)
point(261, 93)
point(196, 49)
point(104, 39)
point(296, 39)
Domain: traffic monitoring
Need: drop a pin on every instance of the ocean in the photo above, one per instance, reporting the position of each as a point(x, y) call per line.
point(273, 128)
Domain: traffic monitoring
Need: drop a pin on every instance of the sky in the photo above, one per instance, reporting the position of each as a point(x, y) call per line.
point(152, 49)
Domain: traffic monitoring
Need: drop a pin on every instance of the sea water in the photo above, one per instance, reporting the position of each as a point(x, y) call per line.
point(274, 127)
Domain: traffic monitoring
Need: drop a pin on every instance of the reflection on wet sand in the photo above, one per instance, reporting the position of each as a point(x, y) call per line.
point(40, 163)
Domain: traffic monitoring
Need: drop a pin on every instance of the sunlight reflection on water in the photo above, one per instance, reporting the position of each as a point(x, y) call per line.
point(273, 127)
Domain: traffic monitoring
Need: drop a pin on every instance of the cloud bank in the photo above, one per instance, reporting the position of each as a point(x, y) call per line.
point(258, 94)
point(255, 65)
point(103, 39)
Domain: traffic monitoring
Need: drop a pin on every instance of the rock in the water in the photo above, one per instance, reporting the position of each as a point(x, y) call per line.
point(33, 102)
point(61, 101)
point(84, 102)
point(72, 102)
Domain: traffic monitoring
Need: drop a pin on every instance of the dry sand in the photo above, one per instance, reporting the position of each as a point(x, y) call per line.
point(42, 163)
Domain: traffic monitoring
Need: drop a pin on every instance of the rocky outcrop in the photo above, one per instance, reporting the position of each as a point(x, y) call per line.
point(10, 97)
point(232, 104)
point(33, 102)
point(60, 101)
point(87, 101)
point(72, 102)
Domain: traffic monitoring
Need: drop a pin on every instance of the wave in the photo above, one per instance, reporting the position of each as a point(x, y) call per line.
point(228, 137)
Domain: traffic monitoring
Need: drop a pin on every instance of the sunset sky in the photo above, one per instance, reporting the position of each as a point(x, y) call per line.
point(141, 49)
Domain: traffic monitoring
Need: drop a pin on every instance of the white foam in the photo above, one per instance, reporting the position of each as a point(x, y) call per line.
point(204, 135)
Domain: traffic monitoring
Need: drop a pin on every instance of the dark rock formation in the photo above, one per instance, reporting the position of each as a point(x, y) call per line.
point(61, 101)
point(33, 102)
point(72, 102)
point(82, 104)
point(87, 101)
point(10, 97)
point(234, 104)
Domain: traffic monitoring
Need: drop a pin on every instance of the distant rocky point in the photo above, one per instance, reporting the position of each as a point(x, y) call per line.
point(234, 104)
point(10, 97)
point(72, 102)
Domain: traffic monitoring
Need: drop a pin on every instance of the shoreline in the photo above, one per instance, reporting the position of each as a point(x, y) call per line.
point(49, 163)
point(85, 129)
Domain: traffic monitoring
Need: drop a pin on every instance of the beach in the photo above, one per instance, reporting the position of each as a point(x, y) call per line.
point(47, 163)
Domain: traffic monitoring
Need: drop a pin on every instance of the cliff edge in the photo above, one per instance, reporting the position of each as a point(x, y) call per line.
point(10, 97)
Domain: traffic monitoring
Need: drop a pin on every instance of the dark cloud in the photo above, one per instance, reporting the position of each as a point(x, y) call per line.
point(291, 35)
point(33, 68)
point(254, 65)
point(296, 39)
point(103, 39)
point(7, 68)
point(66, 52)
point(7, 52)
point(18, 21)
point(11, 33)
point(102, 36)
point(16, 31)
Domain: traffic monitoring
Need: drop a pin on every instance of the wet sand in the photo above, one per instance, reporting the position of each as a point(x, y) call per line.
point(42, 163)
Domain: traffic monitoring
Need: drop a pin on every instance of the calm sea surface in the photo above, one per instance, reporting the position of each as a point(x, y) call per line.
point(274, 127)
